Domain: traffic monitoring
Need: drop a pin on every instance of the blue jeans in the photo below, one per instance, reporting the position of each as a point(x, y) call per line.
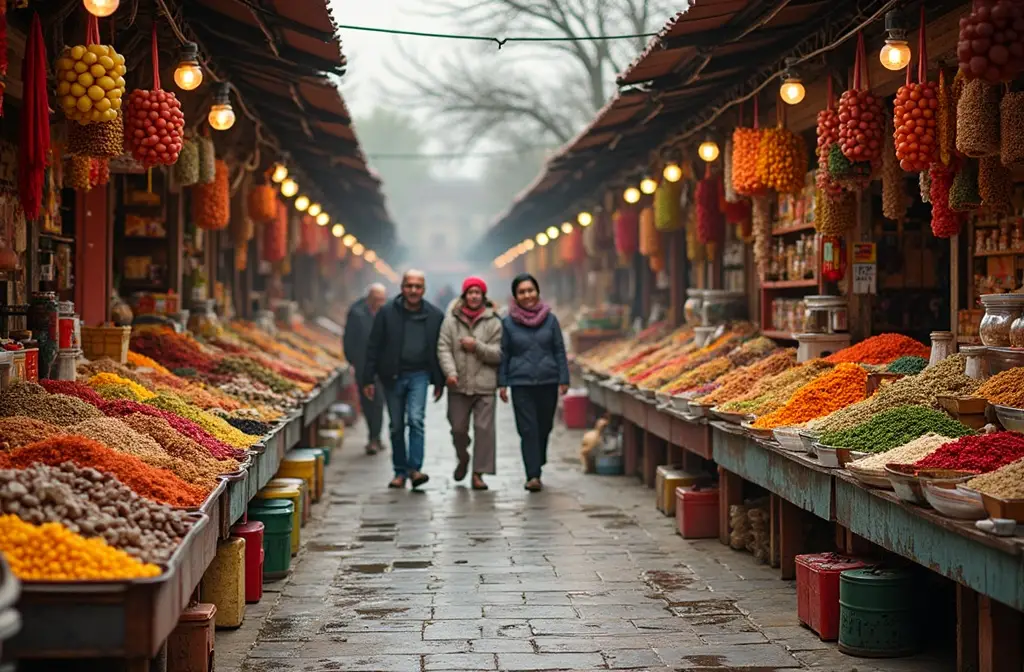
point(407, 404)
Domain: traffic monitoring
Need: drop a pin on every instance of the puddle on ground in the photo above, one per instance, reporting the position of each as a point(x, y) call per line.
point(620, 524)
point(614, 514)
point(665, 580)
point(381, 613)
point(375, 568)
point(379, 525)
point(480, 540)
point(322, 547)
point(411, 564)
point(375, 537)
point(412, 547)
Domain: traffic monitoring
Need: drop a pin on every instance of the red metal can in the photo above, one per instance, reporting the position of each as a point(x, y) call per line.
point(66, 332)
point(32, 364)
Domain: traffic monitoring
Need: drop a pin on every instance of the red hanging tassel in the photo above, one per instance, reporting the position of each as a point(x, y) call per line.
point(34, 146)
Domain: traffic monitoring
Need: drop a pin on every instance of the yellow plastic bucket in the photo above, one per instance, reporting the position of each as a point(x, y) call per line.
point(299, 483)
point(295, 495)
point(318, 471)
point(299, 466)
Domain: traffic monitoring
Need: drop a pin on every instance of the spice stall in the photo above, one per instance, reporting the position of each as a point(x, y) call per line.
point(866, 439)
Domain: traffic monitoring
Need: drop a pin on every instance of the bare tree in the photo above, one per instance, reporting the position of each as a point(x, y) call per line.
point(543, 90)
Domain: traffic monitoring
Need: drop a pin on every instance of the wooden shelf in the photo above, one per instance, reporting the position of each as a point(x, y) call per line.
point(56, 238)
point(789, 284)
point(999, 253)
point(778, 335)
point(795, 228)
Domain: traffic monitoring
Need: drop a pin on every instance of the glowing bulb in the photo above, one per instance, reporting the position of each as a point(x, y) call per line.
point(648, 186)
point(289, 187)
point(529, 244)
point(552, 232)
point(370, 256)
point(279, 174)
point(585, 219)
point(302, 203)
point(672, 172)
point(895, 54)
point(188, 76)
point(708, 151)
point(631, 195)
point(337, 230)
point(101, 8)
point(792, 90)
point(314, 209)
point(358, 249)
point(542, 239)
point(221, 116)
point(349, 240)
point(323, 219)
point(566, 227)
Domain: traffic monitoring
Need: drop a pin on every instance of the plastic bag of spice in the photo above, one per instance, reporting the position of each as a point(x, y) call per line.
point(207, 160)
point(977, 120)
point(995, 184)
point(186, 170)
point(834, 215)
point(1011, 129)
point(963, 193)
point(77, 174)
point(894, 198)
point(945, 221)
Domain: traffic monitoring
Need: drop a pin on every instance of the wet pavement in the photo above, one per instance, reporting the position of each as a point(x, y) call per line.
point(584, 576)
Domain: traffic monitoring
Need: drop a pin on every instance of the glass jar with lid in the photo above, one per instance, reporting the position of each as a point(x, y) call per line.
point(691, 309)
point(1017, 333)
point(203, 320)
point(721, 306)
point(1001, 310)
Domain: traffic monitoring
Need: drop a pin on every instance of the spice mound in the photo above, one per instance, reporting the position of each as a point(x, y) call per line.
point(895, 427)
point(1005, 483)
point(20, 431)
point(92, 504)
point(908, 365)
point(33, 401)
point(772, 392)
point(218, 427)
point(880, 349)
point(908, 453)
point(980, 452)
point(73, 388)
point(179, 446)
point(215, 446)
point(158, 485)
point(51, 552)
point(113, 386)
point(1005, 388)
point(842, 386)
point(741, 381)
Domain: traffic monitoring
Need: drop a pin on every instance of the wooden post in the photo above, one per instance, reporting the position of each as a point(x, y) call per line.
point(999, 637)
point(730, 492)
point(93, 255)
point(630, 451)
point(790, 537)
point(966, 629)
point(655, 455)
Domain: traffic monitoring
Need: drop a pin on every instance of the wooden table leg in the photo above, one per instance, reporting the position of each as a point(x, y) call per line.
point(999, 637)
point(655, 455)
point(630, 453)
point(791, 537)
point(774, 515)
point(730, 491)
point(966, 629)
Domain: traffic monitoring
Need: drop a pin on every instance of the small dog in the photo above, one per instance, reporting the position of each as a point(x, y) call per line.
point(591, 440)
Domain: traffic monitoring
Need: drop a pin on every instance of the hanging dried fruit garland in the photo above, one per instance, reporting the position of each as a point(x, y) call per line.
point(155, 122)
point(991, 46)
point(860, 117)
point(746, 148)
point(915, 112)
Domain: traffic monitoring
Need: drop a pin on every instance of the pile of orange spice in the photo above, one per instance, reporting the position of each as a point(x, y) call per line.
point(840, 387)
point(881, 349)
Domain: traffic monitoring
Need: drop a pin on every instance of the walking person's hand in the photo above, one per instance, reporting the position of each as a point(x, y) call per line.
point(453, 381)
point(368, 391)
point(438, 393)
point(562, 389)
point(503, 393)
point(468, 344)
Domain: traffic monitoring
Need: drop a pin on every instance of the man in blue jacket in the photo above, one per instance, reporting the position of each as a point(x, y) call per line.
point(402, 353)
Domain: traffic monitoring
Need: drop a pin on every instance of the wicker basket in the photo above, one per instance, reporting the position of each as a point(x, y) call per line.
point(106, 341)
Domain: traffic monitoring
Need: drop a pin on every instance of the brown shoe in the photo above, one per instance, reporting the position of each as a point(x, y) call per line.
point(534, 485)
point(397, 483)
point(418, 478)
point(461, 470)
point(478, 482)
point(372, 448)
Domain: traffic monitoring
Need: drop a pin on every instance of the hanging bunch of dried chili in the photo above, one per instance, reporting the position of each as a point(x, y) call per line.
point(746, 148)
point(34, 144)
point(945, 222)
point(627, 231)
point(914, 116)
point(710, 221)
point(275, 236)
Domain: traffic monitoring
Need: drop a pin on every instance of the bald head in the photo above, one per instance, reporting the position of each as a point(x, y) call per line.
point(414, 284)
point(376, 295)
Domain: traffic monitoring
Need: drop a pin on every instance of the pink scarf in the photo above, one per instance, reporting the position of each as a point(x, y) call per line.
point(472, 315)
point(529, 317)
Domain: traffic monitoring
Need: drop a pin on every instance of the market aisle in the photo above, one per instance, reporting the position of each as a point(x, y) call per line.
point(585, 576)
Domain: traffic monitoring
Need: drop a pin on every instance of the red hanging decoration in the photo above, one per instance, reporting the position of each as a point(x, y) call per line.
point(627, 231)
point(915, 114)
point(34, 144)
point(860, 116)
point(155, 121)
point(945, 221)
point(275, 236)
point(3, 53)
point(833, 258)
point(710, 220)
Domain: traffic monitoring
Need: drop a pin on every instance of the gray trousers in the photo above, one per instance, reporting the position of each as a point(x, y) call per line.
point(373, 409)
point(480, 408)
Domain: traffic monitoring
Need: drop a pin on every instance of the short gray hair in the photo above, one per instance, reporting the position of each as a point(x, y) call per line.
point(414, 273)
point(376, 287)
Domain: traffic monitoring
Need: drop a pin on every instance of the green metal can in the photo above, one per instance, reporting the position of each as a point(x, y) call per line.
point(276, 516)
point(878, 613)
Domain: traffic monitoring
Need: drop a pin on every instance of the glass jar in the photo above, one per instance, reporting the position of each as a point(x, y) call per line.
point(203, 320)
point(720, 306)
point(815, 320)
point(1000, 312)
point(691, 309)
point(1017, 333)
point(977, 365)
point(943, 345)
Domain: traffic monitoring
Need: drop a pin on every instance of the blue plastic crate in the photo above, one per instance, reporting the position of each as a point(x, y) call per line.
point(608, 465)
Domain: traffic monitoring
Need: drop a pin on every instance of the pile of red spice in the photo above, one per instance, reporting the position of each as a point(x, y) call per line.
point(73, 388)
point(218, 449)
point(978, 452)
point(158, 485)
point(881, 349)
point(173, 350)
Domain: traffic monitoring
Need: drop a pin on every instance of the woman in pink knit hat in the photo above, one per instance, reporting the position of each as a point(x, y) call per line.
point(469, 350)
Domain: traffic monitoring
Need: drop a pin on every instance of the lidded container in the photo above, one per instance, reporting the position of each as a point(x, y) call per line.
point(691, 309)
point(826, 314)
point(721, 305)
point(943, 346)
point(1001, 310)
point(1017, 333)
point(977, 362)
point(203, 319)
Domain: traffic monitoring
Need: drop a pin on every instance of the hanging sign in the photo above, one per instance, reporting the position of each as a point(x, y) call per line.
point(865, 268)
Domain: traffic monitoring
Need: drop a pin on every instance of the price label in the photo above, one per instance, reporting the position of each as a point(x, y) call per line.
point(865, 279)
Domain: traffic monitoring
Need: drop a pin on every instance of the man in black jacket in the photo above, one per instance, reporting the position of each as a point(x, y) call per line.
point(358, 325)
point(402, 354)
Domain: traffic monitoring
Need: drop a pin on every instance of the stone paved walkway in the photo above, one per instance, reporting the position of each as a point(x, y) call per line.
point(584, 576)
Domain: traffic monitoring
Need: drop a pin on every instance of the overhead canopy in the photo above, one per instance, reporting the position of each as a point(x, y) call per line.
point(702, 60)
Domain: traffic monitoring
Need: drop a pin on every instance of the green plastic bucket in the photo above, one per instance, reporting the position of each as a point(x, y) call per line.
point(878, 613)
point(276, 516)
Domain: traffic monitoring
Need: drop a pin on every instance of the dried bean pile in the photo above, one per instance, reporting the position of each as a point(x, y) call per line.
point(895, 427)
point(34, 401)
point(93, 504)
point(250, 427)
point(107, 365)
point(1006, 482)
point(880, 349)
point(772, 392)
point(73, 388)
point(220, 429)
point(908, 453)
point(113, 386)
point(19, 431)
point(256, 371)
point(179, 446)
point(743, 380)
point(213, 445)
point(1004, 389)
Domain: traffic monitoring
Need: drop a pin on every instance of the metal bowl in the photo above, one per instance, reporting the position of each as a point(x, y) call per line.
point(789, 439)
point(1002, 359)
point(958, 502)
point(1010, 418)
point(808, 438)
point(755, 432)
point(826, 456)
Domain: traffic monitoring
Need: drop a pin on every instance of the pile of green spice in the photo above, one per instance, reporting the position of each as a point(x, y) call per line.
point(895, 427)
point(909, 365)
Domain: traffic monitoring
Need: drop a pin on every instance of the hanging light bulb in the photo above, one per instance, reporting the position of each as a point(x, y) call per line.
point(314, 209)
point(349, 240)
point(792, 89)
point(895, 54)
point(631, 195)
point(566, 227)
point(358, 249)
point(672, 172)
point(188, 75)
point(542, 239)
point(370, 256)
point(337, 230)
point(221, 116)
point(708, 150)
point(529, 244)
point(302, 203)
point(101, 8)
point(289, 187)
point(648, 185)
point(323, 219)
point(279, 173)
point(585, 219)
point(552, 232)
